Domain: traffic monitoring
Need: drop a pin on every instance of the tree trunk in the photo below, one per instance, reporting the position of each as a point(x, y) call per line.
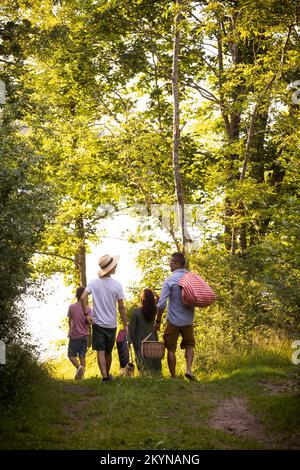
point(82, 266)
point(257, 153)
point(227, 225)
point(176, 128)
point(81, 252)
point(231, 116)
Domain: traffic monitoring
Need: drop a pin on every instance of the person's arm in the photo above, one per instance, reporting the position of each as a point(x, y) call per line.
point(123, 313)
point(156, 296)
point(159, 313)
point(84, 304)
point(161, 305)
point(131, 327)
point(69, 318)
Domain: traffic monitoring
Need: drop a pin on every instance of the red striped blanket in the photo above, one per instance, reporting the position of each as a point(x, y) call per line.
point(195, 291)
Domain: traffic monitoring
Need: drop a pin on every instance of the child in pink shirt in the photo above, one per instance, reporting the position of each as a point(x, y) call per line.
point(78, 334)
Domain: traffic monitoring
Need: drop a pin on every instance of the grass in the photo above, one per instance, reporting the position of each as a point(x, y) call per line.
point(150, 412)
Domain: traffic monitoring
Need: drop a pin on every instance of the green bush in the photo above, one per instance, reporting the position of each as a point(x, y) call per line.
point(248, 290)
point(21, 371)
point(251, 313)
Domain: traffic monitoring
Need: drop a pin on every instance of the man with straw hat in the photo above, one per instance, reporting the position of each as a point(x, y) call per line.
point(106, 292)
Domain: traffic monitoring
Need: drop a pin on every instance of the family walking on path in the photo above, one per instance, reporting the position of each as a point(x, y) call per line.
point(182, 291)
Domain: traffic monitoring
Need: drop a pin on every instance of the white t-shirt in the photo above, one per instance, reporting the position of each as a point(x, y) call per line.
point(105, 291)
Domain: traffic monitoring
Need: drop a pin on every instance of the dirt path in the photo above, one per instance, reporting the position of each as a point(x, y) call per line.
point(233, 416)
point(74, 409)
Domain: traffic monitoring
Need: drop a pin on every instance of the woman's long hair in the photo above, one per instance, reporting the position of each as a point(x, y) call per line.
point(148, 305)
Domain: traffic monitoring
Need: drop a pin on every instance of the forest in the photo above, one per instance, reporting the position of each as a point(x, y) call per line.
point(186, 109)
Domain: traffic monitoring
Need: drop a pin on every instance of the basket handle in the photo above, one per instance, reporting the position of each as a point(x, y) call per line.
point(145, 339)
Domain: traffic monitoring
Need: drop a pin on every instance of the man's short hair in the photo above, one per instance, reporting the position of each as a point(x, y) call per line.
point(179, 258)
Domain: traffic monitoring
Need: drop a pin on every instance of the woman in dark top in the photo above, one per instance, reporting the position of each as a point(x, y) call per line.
point(141, 324)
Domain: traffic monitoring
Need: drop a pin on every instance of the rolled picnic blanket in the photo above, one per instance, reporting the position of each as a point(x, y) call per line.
point(122, 348)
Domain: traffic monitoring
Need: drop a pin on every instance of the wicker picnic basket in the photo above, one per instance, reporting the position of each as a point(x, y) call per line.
point(152, 349)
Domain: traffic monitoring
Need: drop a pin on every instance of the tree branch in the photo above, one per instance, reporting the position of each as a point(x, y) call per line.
point(203, 91)
point(7, 61)
point(220, 75)
point(47, 253)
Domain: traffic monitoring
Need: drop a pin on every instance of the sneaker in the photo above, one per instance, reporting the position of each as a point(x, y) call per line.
point(80, 373)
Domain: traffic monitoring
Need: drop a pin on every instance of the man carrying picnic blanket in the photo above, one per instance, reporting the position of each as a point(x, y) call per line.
point(180, 317)
point(106, 292)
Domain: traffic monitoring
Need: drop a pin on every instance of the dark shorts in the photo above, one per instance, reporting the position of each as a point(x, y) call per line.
point(103, 339)
point(78, 346)
point(172, 333)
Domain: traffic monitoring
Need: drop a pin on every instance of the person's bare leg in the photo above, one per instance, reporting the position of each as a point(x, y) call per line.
point(102, 363)
point(82, 361)
point(172, 363)
point(74, 361)
point(80, 367)
point(189, 356)
point(108, 359)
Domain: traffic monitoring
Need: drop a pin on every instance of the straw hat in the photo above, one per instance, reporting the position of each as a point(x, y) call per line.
point(107, 263)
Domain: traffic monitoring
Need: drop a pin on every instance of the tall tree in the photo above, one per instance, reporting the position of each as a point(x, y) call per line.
point(176, 124)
